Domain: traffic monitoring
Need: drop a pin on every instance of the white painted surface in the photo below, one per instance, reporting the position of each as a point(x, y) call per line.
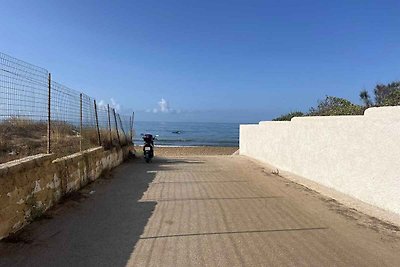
point(356, 155)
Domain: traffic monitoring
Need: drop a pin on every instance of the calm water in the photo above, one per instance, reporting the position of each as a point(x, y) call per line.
point(190, 133)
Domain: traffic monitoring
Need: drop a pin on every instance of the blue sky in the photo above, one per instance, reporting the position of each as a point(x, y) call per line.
point(234, 61)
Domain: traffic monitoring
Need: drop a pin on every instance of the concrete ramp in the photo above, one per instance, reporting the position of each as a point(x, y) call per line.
point(202, 211)
point(226, 211)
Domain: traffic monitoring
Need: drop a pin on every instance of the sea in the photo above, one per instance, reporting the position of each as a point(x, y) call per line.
point(189, 133)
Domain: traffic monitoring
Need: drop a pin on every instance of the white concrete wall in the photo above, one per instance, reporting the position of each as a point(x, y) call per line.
point(355, 155)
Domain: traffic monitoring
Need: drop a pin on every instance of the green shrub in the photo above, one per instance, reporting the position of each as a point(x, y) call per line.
point(387, 95)
point(289, 116)
point(335, 106)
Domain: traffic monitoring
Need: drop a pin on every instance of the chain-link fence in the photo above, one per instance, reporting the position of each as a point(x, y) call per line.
point(39, 115)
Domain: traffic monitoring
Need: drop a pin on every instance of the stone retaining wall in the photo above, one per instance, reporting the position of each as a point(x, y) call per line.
point(31, 185)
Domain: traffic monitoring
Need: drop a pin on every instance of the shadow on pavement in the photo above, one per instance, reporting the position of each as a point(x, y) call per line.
point(98, 226)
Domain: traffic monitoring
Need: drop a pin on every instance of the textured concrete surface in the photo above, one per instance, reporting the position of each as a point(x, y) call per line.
point(31, 185)
point(202, 211)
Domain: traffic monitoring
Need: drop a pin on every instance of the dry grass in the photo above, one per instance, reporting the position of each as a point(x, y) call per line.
point(21, 137)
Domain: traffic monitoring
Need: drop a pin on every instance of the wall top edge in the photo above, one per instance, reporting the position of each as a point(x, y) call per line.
point(24, 163)
point(78, 154)
point(389, 112)
point(273, 122)
point(248, 125)
point(383, 112)
point(344, 117)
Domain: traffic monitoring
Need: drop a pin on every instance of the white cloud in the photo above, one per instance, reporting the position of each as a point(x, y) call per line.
point(102, 103)
point(163, 107)
point(113, 104)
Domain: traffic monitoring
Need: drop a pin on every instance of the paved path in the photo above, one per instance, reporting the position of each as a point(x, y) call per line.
point(202, 211)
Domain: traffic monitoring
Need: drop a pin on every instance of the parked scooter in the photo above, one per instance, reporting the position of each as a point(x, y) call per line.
point(148, 147)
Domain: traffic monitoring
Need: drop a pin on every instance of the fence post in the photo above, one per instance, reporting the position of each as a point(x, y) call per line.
point(122, 128)
point(49, 116)
point(116, 127)
point(130, 129)
point(109, 123)
point(97, 122)
point(133, 118)
point(81, 123)
point(131, 126)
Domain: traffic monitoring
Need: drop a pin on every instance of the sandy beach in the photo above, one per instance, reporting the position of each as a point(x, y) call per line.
point(189, 151)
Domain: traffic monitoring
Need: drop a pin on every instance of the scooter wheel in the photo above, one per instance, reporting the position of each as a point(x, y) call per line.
point(147, 160)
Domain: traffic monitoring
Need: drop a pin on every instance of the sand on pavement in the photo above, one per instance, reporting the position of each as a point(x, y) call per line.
point(190, 151)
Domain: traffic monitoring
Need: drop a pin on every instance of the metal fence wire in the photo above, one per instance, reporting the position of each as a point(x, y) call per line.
point(39, 115)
